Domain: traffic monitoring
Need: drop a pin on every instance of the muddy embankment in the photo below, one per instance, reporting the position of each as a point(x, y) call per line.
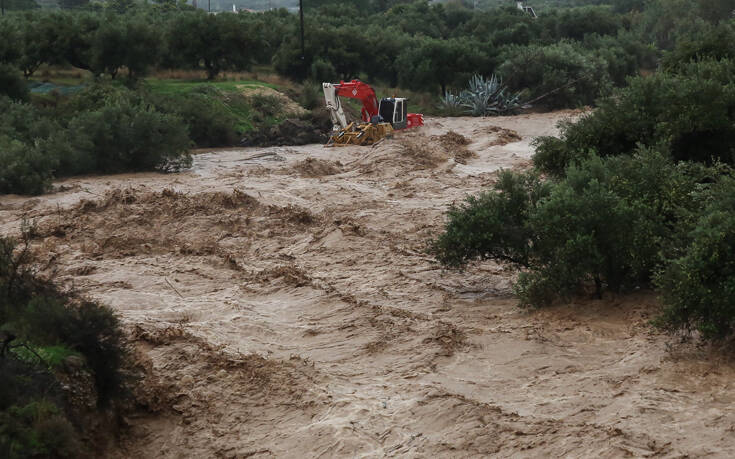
point(282, 305)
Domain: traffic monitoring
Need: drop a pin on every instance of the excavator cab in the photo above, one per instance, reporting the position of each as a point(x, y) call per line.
point(394, 110)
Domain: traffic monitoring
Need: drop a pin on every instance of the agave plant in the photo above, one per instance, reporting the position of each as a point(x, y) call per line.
point(488, 97)
point(451, 104)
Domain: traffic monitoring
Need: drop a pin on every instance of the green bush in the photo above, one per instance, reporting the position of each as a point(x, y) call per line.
point(311, 95)
point(265, 106)
point(110, 129)
point(37, 429)
point(716, 43)
point(698, 287)
point(23, 168)
point(322, 70)
point(24, 122)
point(12, 84)
point(96, 96)
point(608, 224)
point(493, 224)
point(40, 315)
point(576, 23)
point(10, 48)
point(625, 55)
point(88, 327)
point(686, 114)
point(24, 132)
point(209, 123)
point(565, 74)
point(44, 326)
point(126, 137)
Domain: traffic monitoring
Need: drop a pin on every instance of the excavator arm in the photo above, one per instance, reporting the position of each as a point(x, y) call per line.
point(354, 89)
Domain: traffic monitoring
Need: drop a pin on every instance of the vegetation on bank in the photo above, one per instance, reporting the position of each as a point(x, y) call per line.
point(637, 194)
point(51, 341)
point(110, 128)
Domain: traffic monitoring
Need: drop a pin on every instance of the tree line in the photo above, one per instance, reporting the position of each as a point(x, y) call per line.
point(417, 45)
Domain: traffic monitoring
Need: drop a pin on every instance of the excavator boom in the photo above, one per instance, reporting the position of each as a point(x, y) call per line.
point(356, 89)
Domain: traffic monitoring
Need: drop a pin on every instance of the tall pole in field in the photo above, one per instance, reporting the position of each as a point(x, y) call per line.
point(2, 6)
point(303, 52)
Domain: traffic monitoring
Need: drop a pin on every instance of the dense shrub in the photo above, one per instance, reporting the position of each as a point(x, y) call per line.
point(113, 129)
point(624, 55)
point(104, 130)
point(493, 224)
point(12, 84)
point(209, 123)
point(35, 312)
point(565, 74)
point(690, 116)
point(41, 326)
point(127, 137)
point(24, 122)
point(610, 221)
point(10, 52)
point(311, 95)
point(321, 70)
point(37, 427)
point(609, 224)
point(576, 23)
point(96, 96)
point(23, 168)
point(434, 64)
point(714, 44)
point(698, 287)
point(663, 22)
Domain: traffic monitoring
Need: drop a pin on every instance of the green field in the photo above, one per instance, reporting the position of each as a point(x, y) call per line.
point(174, 87)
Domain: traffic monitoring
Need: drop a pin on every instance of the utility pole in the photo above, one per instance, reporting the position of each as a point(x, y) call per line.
point(303, 49)
point(2, 6)
point(209, 6)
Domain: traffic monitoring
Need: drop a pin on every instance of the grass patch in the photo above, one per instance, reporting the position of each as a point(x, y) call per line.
point(179, 87)
point(227, 96)
point(53, 356)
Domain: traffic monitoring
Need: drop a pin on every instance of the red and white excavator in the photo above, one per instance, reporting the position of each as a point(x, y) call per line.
point(378, 118)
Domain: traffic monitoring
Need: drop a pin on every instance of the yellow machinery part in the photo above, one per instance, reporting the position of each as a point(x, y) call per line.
point(360, 134)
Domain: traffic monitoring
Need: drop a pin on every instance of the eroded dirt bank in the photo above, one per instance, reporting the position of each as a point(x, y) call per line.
point(283, 307)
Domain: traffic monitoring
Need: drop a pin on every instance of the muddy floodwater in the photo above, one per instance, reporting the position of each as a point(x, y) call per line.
point(282, 304)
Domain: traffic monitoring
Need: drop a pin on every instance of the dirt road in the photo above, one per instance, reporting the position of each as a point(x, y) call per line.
point(282, 306)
